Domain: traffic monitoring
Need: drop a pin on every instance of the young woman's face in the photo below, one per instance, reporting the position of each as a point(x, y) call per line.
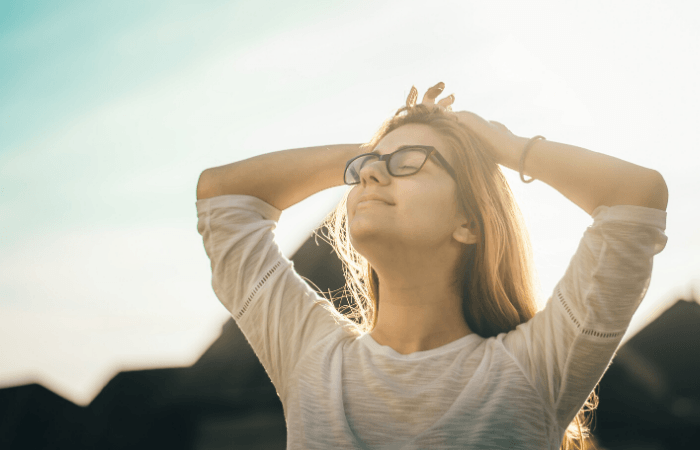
point(420, 211)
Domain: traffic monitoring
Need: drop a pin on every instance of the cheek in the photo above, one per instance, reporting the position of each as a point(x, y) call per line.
point(426, 216)
point(430, 202)
point(429, 213)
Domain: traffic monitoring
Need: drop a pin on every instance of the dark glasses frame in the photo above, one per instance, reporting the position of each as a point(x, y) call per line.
point(427, 149)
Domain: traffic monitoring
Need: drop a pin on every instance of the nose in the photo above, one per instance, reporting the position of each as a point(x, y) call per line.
point(377, 170)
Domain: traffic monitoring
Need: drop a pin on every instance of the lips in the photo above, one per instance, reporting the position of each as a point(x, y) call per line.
point(373, 197)
point(372, 202)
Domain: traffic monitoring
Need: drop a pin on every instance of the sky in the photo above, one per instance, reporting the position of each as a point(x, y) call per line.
point(110, 111)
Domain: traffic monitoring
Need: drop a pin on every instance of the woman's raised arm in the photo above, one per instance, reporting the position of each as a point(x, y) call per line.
point(587, 178)
point(281, 178)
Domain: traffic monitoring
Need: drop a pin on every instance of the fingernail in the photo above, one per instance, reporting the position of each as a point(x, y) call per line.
point(440, 86)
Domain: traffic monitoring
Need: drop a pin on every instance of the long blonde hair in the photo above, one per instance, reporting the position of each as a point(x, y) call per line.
point(497, 273)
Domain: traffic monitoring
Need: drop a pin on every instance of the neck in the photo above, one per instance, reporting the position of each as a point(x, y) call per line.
point(418, 314)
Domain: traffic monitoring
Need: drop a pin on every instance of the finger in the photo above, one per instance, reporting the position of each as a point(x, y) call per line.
point(447, 101)
point(412, 97)
point(432, 93)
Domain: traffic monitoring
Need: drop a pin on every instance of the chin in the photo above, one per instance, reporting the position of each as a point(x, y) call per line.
point(363, 234)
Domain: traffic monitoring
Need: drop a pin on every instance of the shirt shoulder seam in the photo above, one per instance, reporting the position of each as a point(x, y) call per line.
point(261, 282)
point(581, 329)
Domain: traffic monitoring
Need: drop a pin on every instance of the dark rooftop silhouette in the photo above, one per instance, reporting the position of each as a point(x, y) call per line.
point(649, 397)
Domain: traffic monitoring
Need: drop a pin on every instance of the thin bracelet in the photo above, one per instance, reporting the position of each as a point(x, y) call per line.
point(521, 166)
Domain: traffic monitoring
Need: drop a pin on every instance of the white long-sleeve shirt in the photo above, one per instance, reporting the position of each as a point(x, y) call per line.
point(342, 390)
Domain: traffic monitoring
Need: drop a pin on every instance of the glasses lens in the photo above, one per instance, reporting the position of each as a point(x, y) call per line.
point(352, 174)
point(407, 161)
point(404, 162)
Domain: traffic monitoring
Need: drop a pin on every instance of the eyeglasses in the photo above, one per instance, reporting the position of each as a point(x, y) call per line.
point(405, 161)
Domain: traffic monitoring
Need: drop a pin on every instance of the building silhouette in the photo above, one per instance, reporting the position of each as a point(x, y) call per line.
point(649, 397)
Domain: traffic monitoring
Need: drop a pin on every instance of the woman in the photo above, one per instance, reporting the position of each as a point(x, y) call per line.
point(448, 349)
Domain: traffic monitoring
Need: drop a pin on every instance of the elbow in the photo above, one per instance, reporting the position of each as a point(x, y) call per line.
point(202, 187)
point(657, 192)
point(645, 188)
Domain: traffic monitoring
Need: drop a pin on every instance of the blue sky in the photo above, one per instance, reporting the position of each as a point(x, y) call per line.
point(110, 111)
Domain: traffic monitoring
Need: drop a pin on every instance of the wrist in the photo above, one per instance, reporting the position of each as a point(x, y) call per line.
point(510, 157)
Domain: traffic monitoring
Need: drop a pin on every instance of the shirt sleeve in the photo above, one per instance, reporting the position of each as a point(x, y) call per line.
point(281, 316)
point(565, 349)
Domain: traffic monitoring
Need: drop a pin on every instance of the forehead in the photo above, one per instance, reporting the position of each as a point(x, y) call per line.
point(410, 134)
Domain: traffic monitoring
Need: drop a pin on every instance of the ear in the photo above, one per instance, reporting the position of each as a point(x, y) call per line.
point(466, 233)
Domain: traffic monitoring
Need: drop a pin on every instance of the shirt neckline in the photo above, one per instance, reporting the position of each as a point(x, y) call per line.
point(385, 350)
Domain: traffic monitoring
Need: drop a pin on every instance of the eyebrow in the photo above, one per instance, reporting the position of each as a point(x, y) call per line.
point(399, 148)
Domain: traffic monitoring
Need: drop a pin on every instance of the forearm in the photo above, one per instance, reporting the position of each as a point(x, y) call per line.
point(590, 179)
point(281, 178)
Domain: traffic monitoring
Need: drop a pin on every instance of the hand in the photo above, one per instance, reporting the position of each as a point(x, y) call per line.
point(505, 145)
point(430, 96)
